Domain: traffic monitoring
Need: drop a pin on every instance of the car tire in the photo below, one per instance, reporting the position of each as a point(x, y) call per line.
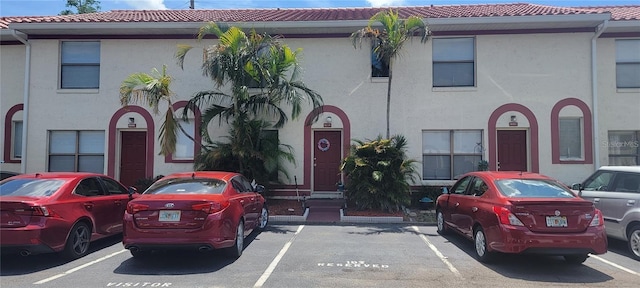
point(139, 254)
point(480, 243)
point(633, 241)
point(263, 220)
point(575, 259)
point(78, 241)
point(441, 226)
point(235, 251)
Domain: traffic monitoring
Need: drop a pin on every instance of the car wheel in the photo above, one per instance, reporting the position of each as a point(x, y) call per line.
point(480, 241)
point(634, 241)
point(235, 251)
point(139, 254)
point(264, 218)
point(441, 226)
point(78, 241)
point(575, 259)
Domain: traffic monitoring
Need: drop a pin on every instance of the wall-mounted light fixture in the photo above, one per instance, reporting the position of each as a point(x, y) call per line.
point(132, 122)
point(327, 121)
point(514, 121)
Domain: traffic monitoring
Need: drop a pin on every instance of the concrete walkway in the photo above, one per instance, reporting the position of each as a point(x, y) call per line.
point(324, 210)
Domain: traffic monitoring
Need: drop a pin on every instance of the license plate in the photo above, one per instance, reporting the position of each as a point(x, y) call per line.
point(556, 221)
point(169, 216)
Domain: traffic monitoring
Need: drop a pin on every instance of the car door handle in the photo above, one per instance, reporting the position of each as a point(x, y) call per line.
point(596, 200)
point(474, 209)
point(88, 206)
point(631, 202)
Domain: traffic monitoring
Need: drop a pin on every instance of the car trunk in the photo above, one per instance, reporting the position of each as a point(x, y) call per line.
point(172, 213)
point(554, 215)
point(16, 214)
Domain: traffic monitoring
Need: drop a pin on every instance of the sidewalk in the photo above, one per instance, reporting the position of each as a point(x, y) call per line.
point(328, 211)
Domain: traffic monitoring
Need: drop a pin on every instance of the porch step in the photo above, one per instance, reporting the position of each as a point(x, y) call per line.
point(325, 203)
point(326, 195)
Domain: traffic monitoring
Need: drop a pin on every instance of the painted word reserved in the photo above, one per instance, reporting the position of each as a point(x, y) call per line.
point(354, 264)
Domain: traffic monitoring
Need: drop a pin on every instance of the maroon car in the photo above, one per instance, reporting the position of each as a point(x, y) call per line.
point(59, 212)
point(200, 210)
point(521, 212)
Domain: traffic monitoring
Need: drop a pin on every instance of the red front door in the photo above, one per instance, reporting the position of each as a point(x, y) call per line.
point(327, 157)
point(133, 161)
point(512, 150)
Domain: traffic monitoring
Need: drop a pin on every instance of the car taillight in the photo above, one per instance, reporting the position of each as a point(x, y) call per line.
point(134, 208)
point(34, 211)
point(210, 207)
point(597, 219)
point(506, 217)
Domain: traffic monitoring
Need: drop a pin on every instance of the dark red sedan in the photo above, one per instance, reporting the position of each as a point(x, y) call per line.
point(200, 210)
point(521, 212)
point(59, 212)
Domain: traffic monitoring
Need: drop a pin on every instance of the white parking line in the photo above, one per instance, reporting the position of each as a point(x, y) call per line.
point(435, 250)
point(276, 260)
point(79, 267)
point(615, 265)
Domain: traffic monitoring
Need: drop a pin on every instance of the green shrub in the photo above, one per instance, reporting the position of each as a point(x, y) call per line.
point(378, 174)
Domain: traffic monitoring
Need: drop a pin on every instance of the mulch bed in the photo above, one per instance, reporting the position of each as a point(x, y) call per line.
point(294, 207)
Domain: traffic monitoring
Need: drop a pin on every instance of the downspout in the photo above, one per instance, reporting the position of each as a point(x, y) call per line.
point(594, 93)
point(25, 100)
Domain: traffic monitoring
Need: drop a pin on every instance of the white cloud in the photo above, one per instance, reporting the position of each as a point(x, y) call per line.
point(385, 3)
point(146, 4)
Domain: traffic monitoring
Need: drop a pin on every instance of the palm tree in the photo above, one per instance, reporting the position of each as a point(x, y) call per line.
point(388, 42)
point(237, 61)
point(153, 89)
point(380, 173)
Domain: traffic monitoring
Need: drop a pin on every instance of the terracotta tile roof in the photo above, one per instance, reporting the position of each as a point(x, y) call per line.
point(619, 13)
point(325, 14)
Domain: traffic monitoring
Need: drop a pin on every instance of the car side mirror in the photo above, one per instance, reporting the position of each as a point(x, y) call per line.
point(132, 190)
point(445, 190)
point(260, 189)
point(577, 186)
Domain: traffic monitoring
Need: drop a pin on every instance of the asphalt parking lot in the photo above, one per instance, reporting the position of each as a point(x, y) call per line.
point(367, 255)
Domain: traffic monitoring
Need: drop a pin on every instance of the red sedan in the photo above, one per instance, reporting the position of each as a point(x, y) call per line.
point(59, 212)
point(200, 210)
point(521, 212)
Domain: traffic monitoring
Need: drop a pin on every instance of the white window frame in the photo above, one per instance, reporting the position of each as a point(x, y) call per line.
point(79, 58)
point(17, 129)
point(473, 150)
point(75, 148)
point(627, 63)
point(374, 60)
point(446, 52)
point(184, 145)
point(628, 147)
point(565, 152)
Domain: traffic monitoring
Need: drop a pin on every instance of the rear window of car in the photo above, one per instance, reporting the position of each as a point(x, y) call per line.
point(30, 187)
point(187, 186)
point(532, 188)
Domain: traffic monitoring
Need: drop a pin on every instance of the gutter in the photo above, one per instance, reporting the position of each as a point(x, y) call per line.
point(576, 19)
point(25, 100)
point(594, 93)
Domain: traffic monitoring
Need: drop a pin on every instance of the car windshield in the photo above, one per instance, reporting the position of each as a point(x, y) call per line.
point(532, 188)
point(30, 187)
point(187, 186)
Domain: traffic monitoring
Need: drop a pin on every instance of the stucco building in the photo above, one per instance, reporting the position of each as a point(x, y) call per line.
point(554, 90)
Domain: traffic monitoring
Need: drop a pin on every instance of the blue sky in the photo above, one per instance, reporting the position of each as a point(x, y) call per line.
point(53, 7)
